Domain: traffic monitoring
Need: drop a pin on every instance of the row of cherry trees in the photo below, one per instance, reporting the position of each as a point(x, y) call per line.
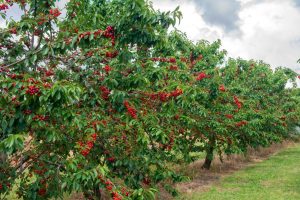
point(99, 97)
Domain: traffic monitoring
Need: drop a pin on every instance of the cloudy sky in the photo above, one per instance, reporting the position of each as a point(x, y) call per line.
point(266, 30)
point(252, 29)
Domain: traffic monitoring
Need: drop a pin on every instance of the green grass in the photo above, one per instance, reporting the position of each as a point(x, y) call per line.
point(275, 178)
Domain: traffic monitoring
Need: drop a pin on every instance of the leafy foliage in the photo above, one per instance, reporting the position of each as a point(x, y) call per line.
point(99, 100)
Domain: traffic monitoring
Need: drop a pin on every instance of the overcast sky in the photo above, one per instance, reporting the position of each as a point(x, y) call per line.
point(266, 30)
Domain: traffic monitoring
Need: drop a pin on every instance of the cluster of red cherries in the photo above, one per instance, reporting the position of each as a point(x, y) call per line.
point(107, 33)
point(229, 116)
point(40, 118)
point(86, 148)
point(237, 102)
point(109, 186)
point(201, 76)
point(168, 60)
point(105, 93)
point(3, 6)
point(131, 111)
point(107, 68)
point(32, 90)
point(241, 123)
point(54, 12)
point(165, 96)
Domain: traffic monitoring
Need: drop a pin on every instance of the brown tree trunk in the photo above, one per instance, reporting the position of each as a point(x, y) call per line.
point(209, 158)
point(97, 193)
point(3, 157)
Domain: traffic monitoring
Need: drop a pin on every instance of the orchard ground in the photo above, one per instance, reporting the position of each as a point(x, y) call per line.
point(261, 176)
point(265, 173)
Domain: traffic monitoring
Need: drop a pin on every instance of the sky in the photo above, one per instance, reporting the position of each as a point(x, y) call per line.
point(265, 30)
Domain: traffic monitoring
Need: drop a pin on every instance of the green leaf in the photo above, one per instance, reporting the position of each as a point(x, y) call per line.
point(45, 51)
point(91, 37)
point(34, 58)
point(73, 41)
point(4, 124)
point(12, 143)
point(63, 46)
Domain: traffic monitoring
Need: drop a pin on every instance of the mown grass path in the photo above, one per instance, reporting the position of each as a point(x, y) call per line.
point(276, 178)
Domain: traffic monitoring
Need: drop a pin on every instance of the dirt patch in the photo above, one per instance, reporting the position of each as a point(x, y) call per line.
point(202, 180)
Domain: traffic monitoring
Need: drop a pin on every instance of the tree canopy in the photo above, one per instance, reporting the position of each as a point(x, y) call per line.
point(101, 96)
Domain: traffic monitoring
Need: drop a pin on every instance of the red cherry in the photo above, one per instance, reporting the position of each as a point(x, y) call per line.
point(42, 192)
point(172, 60)
point(201, 76)
point(222, 88)
point(229, 116)
point(54, 12)
point(109, 187)
point(107, 68)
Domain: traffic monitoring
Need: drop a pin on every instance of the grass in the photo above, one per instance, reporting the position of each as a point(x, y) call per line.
point(273, 179)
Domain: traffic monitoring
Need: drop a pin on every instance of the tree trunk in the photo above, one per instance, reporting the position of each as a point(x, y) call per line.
point(97, 193)
point(3, 157)
point(94, 194)
point(209, 158)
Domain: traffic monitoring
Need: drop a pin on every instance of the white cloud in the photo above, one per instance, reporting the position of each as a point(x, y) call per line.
point(192, 23)
point(268, 30)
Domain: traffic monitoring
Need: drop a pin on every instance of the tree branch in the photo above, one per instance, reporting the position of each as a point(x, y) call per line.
point(22, 60)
